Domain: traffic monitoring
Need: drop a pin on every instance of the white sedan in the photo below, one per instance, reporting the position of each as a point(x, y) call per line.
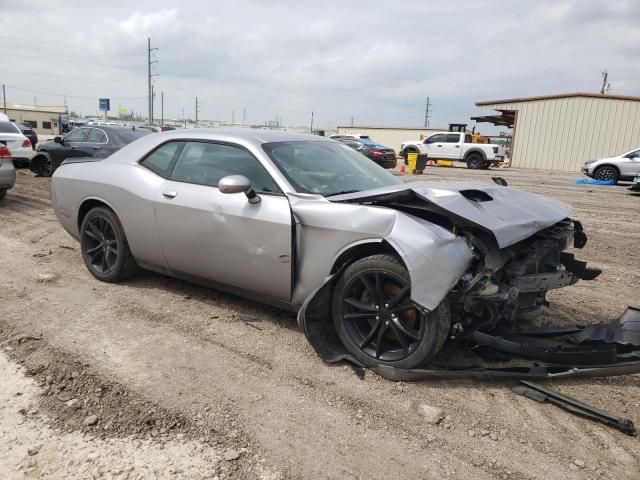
point(18, 144)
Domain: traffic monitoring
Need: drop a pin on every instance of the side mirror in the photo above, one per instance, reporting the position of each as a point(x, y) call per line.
point(57, 139)
point(238, 184)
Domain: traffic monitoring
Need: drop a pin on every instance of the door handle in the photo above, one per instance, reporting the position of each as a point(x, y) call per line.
point(457, 146)
point(96, 147)
point(439, 146)
point(74, 148)
point(169, 194)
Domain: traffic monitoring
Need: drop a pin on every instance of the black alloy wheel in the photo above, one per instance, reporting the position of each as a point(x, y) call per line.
point(475, 161)
point(45, 167)
point(104, 246)
point(606, 172)
point(100, 245)
point(376, 319)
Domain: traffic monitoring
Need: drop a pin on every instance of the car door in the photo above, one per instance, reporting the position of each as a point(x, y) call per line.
point(96, 144)
point(70, 146)
point(630, 164)
point(222, 237)
point(451, 146)
point(435, 145)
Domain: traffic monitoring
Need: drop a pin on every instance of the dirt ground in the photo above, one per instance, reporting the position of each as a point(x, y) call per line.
point(158, 378)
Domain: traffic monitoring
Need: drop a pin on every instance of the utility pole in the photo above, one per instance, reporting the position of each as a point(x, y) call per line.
point(605, 85)
point(244, 115)
point(4, 98)
point(427, 113)
point(233, 117)
point(352, 121)
point(184, 119)
point(153, 99)
point(149, 75)
point(196, 111)
point(311, 129)
point(161, 108)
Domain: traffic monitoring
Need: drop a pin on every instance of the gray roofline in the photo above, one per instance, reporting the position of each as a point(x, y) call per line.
point(560, 95)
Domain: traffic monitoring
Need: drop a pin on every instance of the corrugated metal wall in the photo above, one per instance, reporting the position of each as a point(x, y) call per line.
point(561, 133)
point(390, 137)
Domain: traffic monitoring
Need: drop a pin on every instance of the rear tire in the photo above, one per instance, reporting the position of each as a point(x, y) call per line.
point(475, 161)
point(104, 246)
point(398, 333)
point(606, 172)
point(3, 193)
point(486, 166)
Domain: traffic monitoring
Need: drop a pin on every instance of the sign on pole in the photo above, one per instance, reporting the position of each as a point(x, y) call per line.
point(104, 104)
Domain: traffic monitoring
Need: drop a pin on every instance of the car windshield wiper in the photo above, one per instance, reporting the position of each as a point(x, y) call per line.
point(343, 192)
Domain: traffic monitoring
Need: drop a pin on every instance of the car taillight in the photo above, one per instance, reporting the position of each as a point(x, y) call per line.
point(26, 143)
point(376, 153)
point(5, 153)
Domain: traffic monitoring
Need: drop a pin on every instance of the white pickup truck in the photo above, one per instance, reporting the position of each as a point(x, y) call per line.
point(454, 146)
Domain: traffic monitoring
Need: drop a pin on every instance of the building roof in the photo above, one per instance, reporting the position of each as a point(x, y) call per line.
point(561, 95)
point(38, 108)
point(420, 129)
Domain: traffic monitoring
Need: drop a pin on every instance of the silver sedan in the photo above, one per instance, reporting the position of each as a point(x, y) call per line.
point(307, 224)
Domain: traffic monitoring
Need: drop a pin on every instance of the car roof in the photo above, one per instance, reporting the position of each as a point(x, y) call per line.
point(252, 135)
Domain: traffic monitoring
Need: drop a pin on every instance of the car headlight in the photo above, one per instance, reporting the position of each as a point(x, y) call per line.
point(589, 162)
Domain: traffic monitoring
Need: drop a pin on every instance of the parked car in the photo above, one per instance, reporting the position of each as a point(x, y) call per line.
point(7, 171)
point(28, 132)
point(383, 156)
point(455, 146)
point(308, 224)
point(99, 142)
point(342, 136)
point(157, 128)
point(18, 144)
point(621, 167)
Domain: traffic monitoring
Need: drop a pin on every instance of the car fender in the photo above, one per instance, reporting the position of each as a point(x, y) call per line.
point(475, 150)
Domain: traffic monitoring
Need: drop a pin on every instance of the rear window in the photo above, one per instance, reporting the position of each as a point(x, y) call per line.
point(7, 127)
point(128, 136)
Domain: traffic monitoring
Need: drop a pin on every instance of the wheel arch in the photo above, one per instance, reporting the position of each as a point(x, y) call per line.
point(361, 249)
point(89, 203)
point(473, 151)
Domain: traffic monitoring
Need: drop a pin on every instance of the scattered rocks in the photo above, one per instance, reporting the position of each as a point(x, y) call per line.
point(90, 420)
point(493, 436)
point(46, 278)
point(579, 463)
point(431, 415)
point(34, 450)
point(231, 455)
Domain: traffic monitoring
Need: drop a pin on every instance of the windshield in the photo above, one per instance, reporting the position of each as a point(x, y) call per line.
point(327, 168)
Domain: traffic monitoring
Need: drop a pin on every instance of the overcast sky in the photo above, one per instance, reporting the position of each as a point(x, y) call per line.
point(375, 61)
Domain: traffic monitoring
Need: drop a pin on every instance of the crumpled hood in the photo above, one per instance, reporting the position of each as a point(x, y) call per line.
point(510, 215)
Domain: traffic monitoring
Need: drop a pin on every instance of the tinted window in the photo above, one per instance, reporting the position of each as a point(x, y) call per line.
point(128, 136)
point(77, 135)
point(6, 127)
point(453, 138)
point(46, 125)
point(159, 161)
point(96, 136)
point(206, 163)
point(440, 137)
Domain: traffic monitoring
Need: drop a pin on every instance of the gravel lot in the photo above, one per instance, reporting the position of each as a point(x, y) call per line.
point(158, 378)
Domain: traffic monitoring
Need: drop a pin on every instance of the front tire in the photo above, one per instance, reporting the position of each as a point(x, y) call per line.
point(104, 246)
point(606, 172)
point(397, 333)
point(3, 193)
point(44, 168)
point(475, 161)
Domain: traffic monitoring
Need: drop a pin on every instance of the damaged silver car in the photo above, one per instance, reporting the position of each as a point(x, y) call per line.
point(306, 223)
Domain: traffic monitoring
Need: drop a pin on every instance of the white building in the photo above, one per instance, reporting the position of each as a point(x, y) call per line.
point(45, 119)
point(391, 137)
point(560, 132)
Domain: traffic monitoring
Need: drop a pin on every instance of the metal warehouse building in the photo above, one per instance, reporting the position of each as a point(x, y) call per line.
point(45, 119)
point(391, 137)
point(560, 132)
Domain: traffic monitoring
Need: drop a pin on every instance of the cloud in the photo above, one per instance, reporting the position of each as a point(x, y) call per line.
point(373, 60)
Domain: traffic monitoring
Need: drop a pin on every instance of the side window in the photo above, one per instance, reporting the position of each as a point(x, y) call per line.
point(159, 161)
point(453, 138)
point(96, 136)
point(468, 138)
point(77, 135)
point(46, 125)
point(206, 163)
point(437, 138)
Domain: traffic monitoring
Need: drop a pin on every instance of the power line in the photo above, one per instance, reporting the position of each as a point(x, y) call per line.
point(69, 96)
point(58, 60)
point(45, 74)
point(58, 45)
